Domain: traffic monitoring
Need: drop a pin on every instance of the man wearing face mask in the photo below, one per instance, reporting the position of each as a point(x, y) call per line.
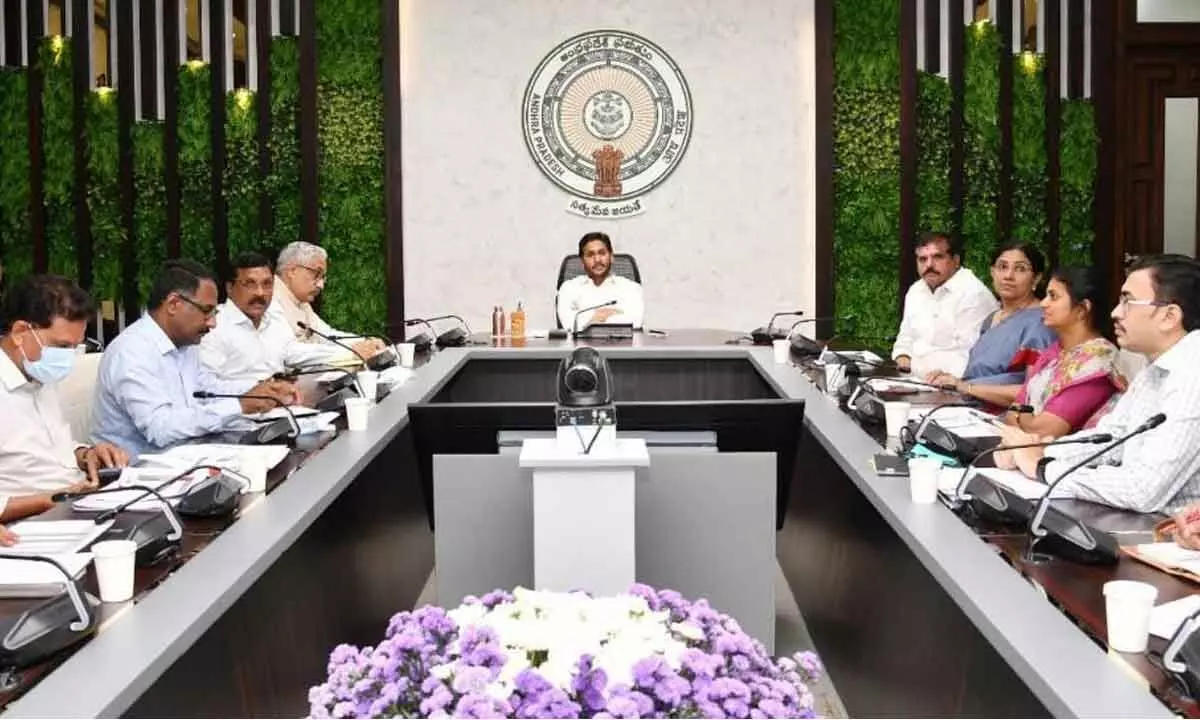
point(250, 342)
point(47, 319)
point(145, 390)
point(299, 278)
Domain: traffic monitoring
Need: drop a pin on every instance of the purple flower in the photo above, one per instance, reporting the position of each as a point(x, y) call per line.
point(481, 706)
point(623, 706)
point(437, 700)
point(647, 671)
point(735, 708)
point(712, 710)
point(774, 708)
point(671, 690)
point(468, 679)
point(700, 664)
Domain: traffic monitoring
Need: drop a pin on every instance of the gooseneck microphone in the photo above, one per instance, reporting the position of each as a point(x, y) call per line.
point(336, 341)
point(1035, 525)
point(154, 541)
point(960, 490)
point(269, 432)
point(575, 320)
point(455, 337)
point(768, 333)
point(83, 616)
point(49, 627)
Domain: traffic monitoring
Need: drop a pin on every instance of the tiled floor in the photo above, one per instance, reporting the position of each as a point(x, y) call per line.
point(791, 636)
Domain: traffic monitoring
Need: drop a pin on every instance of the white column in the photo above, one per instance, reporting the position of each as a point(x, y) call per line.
point(251, 45)
point(1087, 48)
point(274, 18)
point(944, 15)
point(228, 44)
point(3, 33)
point(160, 61)
point(921, 30)
point(205, 32)
point(112, 42)
point(181, 23)
point(24, 33)
point(137, 59)
point(1064, 58)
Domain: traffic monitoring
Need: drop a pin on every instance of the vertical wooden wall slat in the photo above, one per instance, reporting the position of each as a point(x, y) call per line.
point(37, 208)
point(1053, 75)
point(908, 145)
point(262, 32)
point(218, 37)
point(393, 168)
point(307, 125)
point(125, 109)
point(81, 17)
point(825, 266)
point(957, 103)
point(1004, 200)
point(171, 37)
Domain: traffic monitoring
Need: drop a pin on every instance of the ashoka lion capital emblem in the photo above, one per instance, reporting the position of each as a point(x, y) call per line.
point(607, 115)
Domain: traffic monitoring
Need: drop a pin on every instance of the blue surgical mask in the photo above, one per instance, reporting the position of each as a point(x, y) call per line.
point(55, 364)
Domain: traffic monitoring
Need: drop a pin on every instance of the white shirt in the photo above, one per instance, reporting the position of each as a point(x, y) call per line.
point(37, 453)
point(285, 304)
point(236, 350)
point(941, 326)
point(1157, 471)
point(580, 292)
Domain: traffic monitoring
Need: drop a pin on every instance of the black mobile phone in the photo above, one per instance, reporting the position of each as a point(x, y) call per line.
point(890, 465)
point(108, 475)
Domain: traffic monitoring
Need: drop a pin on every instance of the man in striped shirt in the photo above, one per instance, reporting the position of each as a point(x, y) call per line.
point(1158, 316)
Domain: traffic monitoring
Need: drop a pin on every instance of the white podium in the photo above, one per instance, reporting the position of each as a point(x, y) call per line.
point(584, 514)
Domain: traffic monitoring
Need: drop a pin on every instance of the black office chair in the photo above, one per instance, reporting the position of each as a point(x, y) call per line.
point(623, 265)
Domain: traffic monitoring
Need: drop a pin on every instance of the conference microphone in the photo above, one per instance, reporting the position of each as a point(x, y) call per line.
point(267, 434)
point(804, 345)
point(1066, 536)
point(575, 320)
point(51, 626)
point(348, 378)
point(769, 333)
point(381, 360)
point(454, 337)
point(157, 535)
point(960, 491)
point(422, 342)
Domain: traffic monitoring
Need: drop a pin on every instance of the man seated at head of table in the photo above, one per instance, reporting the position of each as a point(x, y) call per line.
point(144, 392)
point(48, 317)
point(943, 310)
point(251, 341)
point(300, 273)
point(1074, 378)
point(1158, 315)
point(598, 284)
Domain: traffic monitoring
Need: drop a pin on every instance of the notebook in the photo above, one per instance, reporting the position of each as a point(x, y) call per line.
point(32, 579)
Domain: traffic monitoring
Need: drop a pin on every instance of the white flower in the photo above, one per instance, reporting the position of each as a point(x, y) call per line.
point(499, 690)
point(467, 615)
point(688, 631)
point(442, 672)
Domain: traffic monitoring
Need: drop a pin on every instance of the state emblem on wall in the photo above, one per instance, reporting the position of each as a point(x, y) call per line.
point(607, 116)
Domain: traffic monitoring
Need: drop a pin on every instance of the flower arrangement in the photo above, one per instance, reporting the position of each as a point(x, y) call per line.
point(532, 654)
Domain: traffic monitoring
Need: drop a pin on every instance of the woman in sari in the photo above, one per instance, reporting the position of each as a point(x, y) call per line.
point(1011, 338)
point(1073, 378)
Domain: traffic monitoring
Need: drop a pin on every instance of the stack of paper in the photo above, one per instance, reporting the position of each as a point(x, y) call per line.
point(54, 537)
point(962, 421)
point(1166, 618)
point(33, 579)
point(165, 480)
point(309, 419)
point(229, 456)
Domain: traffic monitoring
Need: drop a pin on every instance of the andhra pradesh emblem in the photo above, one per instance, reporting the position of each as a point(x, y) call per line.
point(607, 117)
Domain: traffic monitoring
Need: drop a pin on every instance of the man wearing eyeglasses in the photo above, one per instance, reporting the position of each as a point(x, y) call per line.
point(144, 393)
point(299, 278)
point(1158, 316)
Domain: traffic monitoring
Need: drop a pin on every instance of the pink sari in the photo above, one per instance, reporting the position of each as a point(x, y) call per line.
point(1073, 385)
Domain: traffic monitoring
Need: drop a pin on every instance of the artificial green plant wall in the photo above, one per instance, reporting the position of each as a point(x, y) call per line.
point(867, 158)
point(350, 130)
point(195, 163)
point(283, 182)
point(58, 155)
point(108, 234)
point(16, 247)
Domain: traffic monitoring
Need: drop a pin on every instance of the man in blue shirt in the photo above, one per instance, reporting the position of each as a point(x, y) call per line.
point(150, 372)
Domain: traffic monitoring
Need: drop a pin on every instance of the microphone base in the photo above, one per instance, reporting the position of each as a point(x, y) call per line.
point(760, 336)
point(276, 432)
point(422, 342)
point(149, 531)
point(382, 360)
point(454, 337)
point(334, 402)
point(806, 346)
point(43, 631)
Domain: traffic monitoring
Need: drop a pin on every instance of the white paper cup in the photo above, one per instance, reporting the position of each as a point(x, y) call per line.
point(895, 414)
point(835, 377)
point(368, 380)
point(923, 479)
point(408, 353)
point(1127, 606)
point(114, 569)
point(356, 414)
point(783, 350)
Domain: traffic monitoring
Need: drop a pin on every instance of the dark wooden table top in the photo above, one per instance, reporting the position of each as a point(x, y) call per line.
point(197, 534)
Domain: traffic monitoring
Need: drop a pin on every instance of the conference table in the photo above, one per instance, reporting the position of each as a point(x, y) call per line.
point(914, 611)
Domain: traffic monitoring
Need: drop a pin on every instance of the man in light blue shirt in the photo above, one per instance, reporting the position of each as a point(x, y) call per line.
point(150, 372)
